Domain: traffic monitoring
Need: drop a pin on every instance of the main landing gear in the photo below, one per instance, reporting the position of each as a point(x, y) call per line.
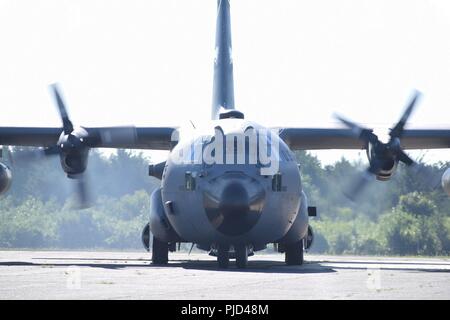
point(160, 252)
point(294, 253)
point(223, 256)
point(241, 255)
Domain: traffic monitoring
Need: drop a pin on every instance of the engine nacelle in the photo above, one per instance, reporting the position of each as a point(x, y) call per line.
point(74, 164)
point(160, 226)
point(74, 155)
point(446, 181)
point(387, 171)
point(5, 178)
point(388, 168)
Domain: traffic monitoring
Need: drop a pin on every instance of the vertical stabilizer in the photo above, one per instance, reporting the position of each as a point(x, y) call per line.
point(223, 89)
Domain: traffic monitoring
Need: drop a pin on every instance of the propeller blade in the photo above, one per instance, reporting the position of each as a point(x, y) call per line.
point(397, 131)
point(361, 182)
point(67, 124)
point(358, 130)
point(82, 190)
point(358, 185)
point(403, 157)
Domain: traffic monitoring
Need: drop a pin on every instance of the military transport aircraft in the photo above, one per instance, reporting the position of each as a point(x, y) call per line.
point(233, 187)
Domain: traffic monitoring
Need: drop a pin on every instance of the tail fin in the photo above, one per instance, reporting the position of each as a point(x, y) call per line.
point(223, 88)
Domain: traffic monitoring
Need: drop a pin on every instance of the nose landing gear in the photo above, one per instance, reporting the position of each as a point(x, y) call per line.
point(241, 256)
point(239, 252)
point(223, 256)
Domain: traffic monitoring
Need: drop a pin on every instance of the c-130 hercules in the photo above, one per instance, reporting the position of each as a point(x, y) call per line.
point(234, 187)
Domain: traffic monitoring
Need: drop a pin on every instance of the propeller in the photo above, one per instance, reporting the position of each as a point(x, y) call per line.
point(73, 149)
point(382, 156)
point(67, 124)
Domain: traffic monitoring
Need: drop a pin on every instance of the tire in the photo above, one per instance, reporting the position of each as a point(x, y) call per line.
point(160, 252)
point(145, 237)
point(294, 254)
point(223, 257)
point(241, 256)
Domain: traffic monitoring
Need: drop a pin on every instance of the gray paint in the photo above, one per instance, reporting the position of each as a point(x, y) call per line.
point(190, 219)
point(223, 87)
point(300, 227)
point(159, 224)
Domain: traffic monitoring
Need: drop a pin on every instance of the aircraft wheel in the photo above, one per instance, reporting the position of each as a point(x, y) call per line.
point(160, 252)
point(223, 257)
point(294, 254)
point(241, 256)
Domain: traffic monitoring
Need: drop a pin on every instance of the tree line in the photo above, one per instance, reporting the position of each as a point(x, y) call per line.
point(408, 215)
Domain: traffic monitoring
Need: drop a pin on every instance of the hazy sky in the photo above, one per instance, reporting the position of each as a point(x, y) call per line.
point(295, 62)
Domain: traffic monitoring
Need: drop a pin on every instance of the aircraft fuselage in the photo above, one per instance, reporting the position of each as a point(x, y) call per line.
point(242, 194)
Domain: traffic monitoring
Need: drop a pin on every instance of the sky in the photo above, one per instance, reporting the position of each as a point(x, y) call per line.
point(150, 63)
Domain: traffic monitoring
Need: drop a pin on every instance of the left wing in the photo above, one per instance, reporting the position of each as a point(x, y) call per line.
point(73, 144)
point(337, 138)
point(70, 139)
point(155, 138)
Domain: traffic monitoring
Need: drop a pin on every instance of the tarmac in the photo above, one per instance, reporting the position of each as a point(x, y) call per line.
point(130, 275)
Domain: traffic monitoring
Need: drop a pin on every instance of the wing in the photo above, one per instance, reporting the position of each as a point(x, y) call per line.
point(152, 138)
point(337, 138)
point(155, 138)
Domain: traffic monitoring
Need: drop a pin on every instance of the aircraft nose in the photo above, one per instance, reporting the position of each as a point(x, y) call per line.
point(234, 200)
point(233, 203)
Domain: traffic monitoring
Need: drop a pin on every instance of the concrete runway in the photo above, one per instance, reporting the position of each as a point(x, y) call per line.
point(129, 275)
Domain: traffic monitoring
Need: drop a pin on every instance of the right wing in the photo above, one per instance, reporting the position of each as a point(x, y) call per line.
point(337, 138)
